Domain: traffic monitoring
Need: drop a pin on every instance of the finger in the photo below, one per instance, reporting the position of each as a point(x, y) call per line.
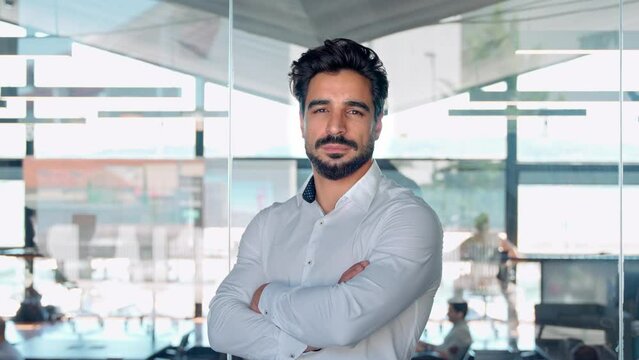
point(359, 266)
point(353, 271)
point(348, 274)
point(345, 277)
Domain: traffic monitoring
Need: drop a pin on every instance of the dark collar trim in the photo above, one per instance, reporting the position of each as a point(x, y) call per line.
point(309, 192)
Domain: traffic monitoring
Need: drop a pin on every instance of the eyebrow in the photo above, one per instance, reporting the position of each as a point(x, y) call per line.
point(317, 102)
point(359, 104)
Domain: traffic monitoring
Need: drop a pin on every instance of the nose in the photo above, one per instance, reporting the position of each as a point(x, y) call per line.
point(336, 124)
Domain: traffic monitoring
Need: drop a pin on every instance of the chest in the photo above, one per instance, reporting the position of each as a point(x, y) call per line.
point(311, 249)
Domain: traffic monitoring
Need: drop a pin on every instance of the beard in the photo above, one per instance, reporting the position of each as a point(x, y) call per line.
point(340, 171)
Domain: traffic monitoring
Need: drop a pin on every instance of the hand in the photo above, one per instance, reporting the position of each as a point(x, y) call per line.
point(255, 301)
point(424, 346)
point(353, 271)
point(421, 346)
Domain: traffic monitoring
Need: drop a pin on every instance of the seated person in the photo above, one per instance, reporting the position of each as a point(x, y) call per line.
point(585, 352)
point(456, 342)
point(7, 352)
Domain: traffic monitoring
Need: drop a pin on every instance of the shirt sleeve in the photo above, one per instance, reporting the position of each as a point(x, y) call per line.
point(456, 341)
point(405, 263)
point(233, 328)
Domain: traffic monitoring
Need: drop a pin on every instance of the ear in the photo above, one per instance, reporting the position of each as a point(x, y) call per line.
point(378, 127)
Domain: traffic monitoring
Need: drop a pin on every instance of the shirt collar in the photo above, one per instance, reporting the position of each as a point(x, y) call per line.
point(361, 193)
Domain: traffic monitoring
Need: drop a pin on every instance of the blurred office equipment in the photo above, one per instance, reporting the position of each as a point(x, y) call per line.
point(584, 298)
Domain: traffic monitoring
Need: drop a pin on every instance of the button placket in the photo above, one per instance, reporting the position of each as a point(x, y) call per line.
point(310, 250)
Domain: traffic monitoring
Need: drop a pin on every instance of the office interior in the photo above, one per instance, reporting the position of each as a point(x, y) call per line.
point(138, 139)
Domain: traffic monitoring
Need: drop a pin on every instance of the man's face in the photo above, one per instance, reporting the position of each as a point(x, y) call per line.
point(454, 315)
point(338, 125)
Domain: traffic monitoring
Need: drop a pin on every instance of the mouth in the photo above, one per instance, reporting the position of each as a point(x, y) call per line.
point(335, 144)
point(335, 148)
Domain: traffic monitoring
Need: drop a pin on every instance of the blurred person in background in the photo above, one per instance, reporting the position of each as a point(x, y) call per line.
point(457, 341)
point(492, 265)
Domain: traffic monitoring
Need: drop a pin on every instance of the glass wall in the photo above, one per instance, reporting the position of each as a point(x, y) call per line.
point(145, 136)
point(104, 110)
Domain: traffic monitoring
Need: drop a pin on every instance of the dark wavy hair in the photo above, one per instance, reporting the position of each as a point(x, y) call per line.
point(333, 56)
point(461, 307)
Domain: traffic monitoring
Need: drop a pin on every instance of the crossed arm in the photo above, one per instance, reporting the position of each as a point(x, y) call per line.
point(404, 264)
point(347, 275)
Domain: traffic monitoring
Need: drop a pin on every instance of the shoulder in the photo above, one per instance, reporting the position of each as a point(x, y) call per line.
point(398, 213)
point(463, 325)
point(396, 201)
point(462, 329)
point(278, 209)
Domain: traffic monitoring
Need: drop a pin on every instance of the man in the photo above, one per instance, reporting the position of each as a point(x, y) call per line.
point(7, 351)
point(347, 268)
point(491, 267)
point(456, 342)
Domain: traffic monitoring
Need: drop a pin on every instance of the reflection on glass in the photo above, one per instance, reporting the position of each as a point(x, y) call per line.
point(114, 138)
point(12, 210)
point(13, 138)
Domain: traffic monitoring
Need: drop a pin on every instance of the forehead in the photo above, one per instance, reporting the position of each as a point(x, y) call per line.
point(341, 85)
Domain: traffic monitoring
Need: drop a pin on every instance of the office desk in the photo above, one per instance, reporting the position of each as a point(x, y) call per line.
point(582, 291)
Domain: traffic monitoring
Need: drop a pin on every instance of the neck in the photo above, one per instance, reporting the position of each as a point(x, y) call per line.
point(328, 192)
point(456, 321)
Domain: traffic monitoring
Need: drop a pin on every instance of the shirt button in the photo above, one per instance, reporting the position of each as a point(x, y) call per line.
point(309, 262)
point(321, 222)
point(292, 356)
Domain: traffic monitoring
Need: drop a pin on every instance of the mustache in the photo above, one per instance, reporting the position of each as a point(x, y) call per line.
point(335, 139)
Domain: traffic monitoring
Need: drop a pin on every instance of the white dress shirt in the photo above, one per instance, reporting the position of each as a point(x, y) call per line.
point(302, 253)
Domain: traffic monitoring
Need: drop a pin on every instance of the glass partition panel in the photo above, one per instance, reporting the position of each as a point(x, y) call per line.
point(503, 117)
point(145, 159)
point(265, 131)
point(12, 208)
point(566, 163)
point(13, 140)
point(628, 275)
point(107, 106)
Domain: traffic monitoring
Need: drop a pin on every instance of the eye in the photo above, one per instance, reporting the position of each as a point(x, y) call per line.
point(319, 110)
point(355, 112)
